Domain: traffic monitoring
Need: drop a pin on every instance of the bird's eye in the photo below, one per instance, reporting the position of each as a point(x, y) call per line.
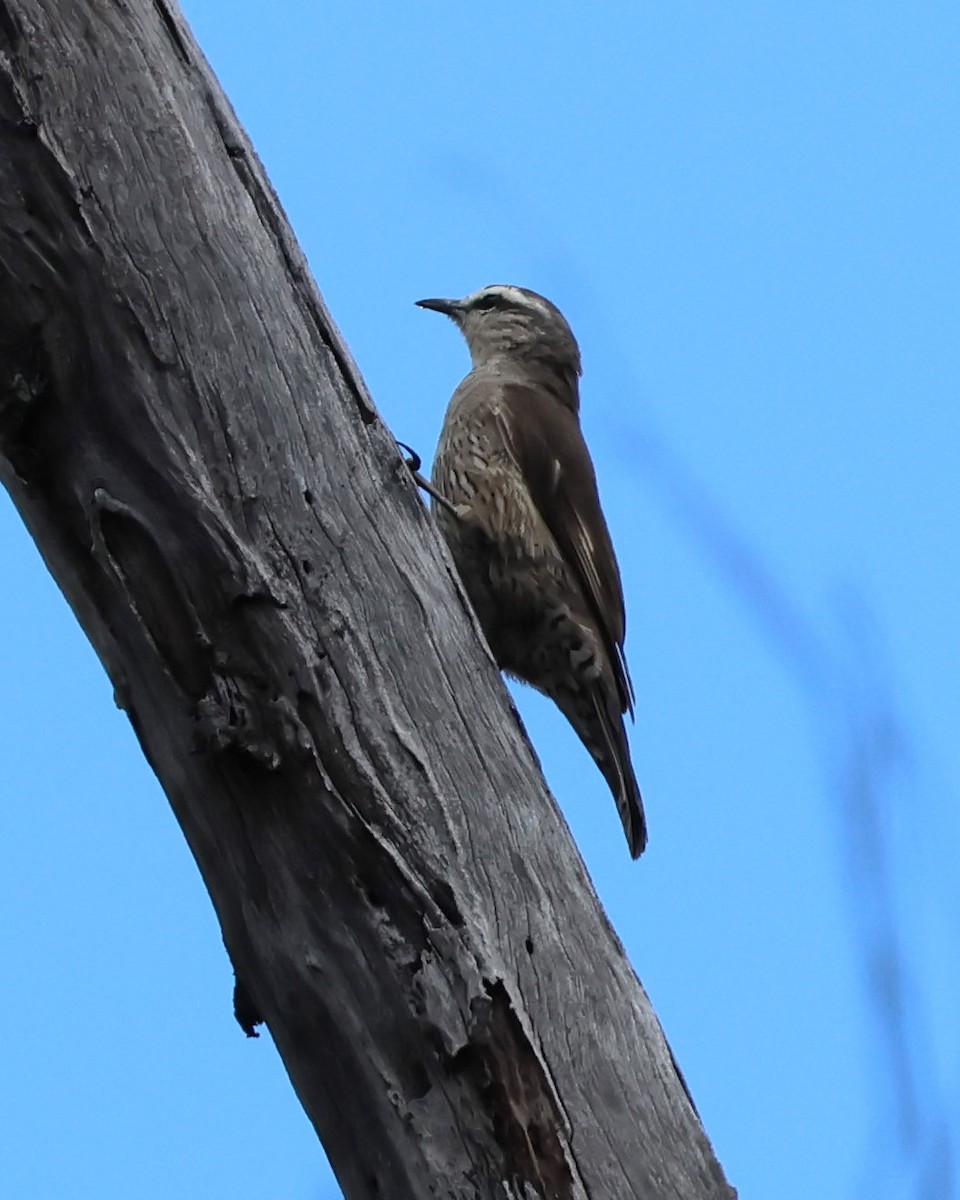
point(486, 302)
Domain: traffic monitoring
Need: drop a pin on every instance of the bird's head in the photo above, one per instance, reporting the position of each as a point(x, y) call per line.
point(501, 321)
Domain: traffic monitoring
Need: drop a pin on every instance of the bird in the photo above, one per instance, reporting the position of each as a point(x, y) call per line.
point(521, 514)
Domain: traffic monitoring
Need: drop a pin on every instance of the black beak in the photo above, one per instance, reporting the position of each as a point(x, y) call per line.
point(449, 308)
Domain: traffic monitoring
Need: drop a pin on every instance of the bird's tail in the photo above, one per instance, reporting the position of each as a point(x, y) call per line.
point(599, 725)
point(615, 763)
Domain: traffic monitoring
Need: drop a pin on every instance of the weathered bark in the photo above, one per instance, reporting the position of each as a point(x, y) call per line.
point(198, 460)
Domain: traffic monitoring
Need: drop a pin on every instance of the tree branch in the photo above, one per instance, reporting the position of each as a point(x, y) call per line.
point(195, 454)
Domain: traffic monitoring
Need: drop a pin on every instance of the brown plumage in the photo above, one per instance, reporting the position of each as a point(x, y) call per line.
point(529, 539)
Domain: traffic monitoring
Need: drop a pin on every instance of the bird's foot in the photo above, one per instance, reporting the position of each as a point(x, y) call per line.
point(412, 462)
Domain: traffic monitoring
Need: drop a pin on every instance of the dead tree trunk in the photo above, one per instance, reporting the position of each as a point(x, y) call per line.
point(194, 452)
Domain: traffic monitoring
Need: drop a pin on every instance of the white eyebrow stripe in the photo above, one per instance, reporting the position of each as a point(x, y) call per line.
point(512, 294)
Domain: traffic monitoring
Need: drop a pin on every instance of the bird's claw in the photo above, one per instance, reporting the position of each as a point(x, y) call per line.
point(412, 462)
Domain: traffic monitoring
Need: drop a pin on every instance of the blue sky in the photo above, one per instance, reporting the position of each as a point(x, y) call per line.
point(749, 213)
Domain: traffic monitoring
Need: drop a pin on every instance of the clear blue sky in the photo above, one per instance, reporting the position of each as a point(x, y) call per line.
point(749, 213)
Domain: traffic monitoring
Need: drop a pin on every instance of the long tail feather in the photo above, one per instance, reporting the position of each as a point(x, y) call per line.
point(614, 761)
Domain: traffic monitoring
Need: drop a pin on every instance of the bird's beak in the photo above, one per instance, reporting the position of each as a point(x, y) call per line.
point(449, 308)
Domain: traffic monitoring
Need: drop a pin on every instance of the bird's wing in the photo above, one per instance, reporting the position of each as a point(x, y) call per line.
point(544, 438)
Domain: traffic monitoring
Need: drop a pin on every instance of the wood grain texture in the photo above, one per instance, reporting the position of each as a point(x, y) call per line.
point(191, 446)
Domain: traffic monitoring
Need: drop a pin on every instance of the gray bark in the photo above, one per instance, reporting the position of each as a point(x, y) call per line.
point(191, 446)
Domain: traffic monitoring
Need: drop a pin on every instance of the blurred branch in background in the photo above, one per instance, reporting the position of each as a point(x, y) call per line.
point(891, 815)
point(879, 794)
point(871, 771)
